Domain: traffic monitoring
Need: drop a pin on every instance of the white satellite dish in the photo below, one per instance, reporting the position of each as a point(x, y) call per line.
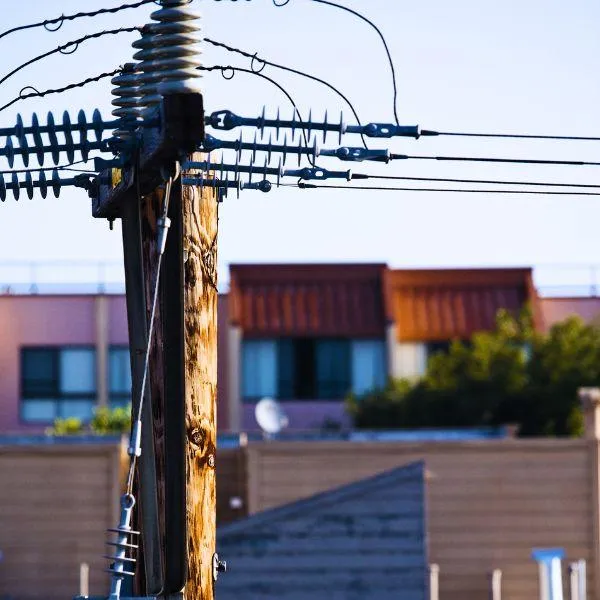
point(270, 416)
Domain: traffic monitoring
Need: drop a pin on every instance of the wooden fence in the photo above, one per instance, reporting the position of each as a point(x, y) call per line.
point(56, 501)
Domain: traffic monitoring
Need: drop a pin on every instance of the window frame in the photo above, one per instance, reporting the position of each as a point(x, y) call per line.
point(58, 396)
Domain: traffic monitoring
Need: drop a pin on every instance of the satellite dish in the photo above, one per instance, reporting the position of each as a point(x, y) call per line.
point(270, 416)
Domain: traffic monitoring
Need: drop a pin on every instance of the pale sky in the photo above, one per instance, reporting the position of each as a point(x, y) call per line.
point(518, 66)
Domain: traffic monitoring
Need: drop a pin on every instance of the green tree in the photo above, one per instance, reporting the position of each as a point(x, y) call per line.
point(510, 375)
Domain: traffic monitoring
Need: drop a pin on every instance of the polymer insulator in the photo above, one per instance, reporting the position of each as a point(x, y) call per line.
point(97, 124)
point(168, 54)
point(122, 564)
point(29, 184)
point(127, 101)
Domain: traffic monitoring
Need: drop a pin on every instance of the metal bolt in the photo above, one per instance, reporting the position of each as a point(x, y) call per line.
point(219, 566)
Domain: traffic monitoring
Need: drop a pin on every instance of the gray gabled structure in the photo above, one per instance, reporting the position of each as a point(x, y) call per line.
point(364, 540)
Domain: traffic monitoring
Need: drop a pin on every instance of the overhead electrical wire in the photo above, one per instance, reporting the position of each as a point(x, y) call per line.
point(62, 48)
point(263, 61)
point(481, 181)
point(379, 33)
point(38, 94)
point(310, 186)
point(525, 161)
point(67, 167)
point(527, 136)
point(60, 20)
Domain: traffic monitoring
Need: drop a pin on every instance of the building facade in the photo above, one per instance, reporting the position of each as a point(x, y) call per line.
point(307, 335)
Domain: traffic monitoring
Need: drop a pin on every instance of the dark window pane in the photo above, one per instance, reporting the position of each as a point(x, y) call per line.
point(39, 372)
point(304, 369)
point(286, 369)
point(333, 368)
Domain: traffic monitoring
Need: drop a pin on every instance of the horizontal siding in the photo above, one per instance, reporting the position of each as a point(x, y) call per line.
point(231, 483)
point(488, 503)
point(57, 503)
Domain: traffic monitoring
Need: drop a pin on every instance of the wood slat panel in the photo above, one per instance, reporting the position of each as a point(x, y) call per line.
point(57, 502)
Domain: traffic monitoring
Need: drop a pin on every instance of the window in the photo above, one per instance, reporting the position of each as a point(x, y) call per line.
point(57, 383)
point(119, 376)
point(311, 368)
point(259, 369)
point(368, 365)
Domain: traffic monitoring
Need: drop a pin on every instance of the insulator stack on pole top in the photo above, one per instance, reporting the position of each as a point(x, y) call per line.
point(127, 101)
point(168, 54)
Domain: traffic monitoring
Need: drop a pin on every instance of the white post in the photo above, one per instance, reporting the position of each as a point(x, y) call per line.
point(84, 579)
point(574, 581)
point(582, 573)
point(496, 585)
point(434, 582)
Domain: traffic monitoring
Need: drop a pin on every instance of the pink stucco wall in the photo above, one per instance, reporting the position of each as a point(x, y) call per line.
point(558, 309)
point(37, 321)
point(51, 320)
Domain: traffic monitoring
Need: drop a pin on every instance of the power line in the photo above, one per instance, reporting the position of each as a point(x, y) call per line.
point(484, 181)
point(526, 161)
point(62, 49)
point(37, 94)
point(60, 20)
point(303, 185)
point(387, 50)
point(430, 132)
point(66, 167)
point(255, 58)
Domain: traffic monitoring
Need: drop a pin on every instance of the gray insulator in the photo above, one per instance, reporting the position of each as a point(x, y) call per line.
point(168, 53)
point(127, 101)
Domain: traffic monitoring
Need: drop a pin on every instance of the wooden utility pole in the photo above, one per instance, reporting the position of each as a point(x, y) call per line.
point(183, 384)
point(175, 481)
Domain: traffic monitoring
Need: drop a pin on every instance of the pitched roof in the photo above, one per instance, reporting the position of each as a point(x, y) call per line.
point(308, 299)
point(443, 304)
point(366, 539)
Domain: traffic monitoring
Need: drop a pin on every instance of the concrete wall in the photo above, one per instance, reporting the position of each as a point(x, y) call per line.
point(488, 503)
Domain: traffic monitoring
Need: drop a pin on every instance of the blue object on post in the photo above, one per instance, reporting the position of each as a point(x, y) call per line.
point(548, 559)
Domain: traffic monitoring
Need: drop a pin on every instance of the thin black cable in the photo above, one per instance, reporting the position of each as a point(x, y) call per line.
point(66, 167)
point(264, 61)
point(224, 69)
point(37, 94)
point(74, 43)
point(303, 185)
point(486, 181)
point(78, 15)
point(430, 132)
point(387, 50)
point(523, 161)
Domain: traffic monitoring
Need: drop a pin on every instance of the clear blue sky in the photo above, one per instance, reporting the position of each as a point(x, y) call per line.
point(514, 66)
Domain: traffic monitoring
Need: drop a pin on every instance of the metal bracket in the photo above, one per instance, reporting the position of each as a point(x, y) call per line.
point(180, 131)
